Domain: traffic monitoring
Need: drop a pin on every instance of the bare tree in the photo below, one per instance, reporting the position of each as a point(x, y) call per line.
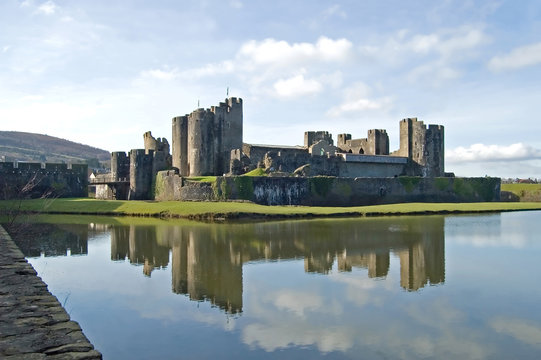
point(14, 195)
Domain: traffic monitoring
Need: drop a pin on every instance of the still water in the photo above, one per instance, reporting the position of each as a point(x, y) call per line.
point(438, 287)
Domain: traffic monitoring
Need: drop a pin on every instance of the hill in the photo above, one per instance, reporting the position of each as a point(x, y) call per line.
point(23, 146)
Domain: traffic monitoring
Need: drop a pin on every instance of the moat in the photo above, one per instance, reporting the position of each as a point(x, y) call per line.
point(399, 287)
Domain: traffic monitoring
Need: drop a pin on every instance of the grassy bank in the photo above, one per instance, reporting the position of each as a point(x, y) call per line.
point(232, 210)
point(525, 192)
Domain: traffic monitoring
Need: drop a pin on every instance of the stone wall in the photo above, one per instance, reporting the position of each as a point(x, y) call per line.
point(376, 143)
point(36, 180)
point(256, 153)
point(33, 323)
point(330, 191)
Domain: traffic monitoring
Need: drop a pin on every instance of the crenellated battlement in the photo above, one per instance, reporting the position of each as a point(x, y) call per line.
point(29, 179)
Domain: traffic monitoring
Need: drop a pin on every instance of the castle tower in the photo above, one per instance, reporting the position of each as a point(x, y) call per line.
point(218, 138)
point(120, 166)
point(378, 142)
point(423, 146)
point(180, 144)
point(140, 174)
point(200, 142)
point(232, 131)
point(149, 142)
point(342, 140)
point(312, 137)
point(435, 151)
point(406, 131)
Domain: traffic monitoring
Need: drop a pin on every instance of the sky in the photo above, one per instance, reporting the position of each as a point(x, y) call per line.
point(102, 72)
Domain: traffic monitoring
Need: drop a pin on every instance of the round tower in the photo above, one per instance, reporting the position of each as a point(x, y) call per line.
point(200, 143)
point(180, 144)
point(120, 166)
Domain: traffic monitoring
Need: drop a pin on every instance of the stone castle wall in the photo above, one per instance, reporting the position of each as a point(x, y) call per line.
point(376, 143)
point(34, 180)
point(329, 191)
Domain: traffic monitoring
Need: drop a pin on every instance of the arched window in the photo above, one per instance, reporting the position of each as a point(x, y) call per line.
point(361, 151)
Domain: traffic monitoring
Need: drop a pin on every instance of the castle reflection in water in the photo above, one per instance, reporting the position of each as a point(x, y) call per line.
point(207, 259)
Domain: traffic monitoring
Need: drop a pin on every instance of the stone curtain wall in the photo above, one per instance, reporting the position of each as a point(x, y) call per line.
point(56, 180)
point(329, 191)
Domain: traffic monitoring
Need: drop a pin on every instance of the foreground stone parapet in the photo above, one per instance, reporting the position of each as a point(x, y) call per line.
point(33, 324)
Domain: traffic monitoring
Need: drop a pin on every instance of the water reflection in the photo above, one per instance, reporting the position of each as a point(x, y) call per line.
point(207, 259)
point(329, 289)
point(54, 240)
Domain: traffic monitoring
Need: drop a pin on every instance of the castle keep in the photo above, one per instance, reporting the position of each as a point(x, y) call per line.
point(208, 142)
point(203, 140)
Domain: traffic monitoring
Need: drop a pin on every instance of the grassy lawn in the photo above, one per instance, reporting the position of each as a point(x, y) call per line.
point(526, 192)
point(189, 209)
point(209, 179)
point(256, 172)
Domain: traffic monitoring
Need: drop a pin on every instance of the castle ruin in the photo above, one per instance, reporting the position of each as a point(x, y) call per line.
point(208, 142)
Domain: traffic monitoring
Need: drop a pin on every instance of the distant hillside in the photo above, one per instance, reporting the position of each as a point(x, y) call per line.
point(23, 146)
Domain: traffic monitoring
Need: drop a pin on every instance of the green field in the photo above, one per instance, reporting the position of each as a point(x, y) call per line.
point(525, 192)
point(232, 210)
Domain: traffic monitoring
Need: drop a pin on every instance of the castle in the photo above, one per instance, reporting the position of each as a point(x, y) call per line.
point(208, 142)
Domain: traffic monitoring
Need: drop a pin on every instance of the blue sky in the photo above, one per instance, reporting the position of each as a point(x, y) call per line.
point(103, 72)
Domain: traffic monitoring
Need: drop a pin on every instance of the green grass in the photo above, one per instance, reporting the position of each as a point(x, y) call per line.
point(194, 209)
point(208, 179)
point(256, 172)
point(526, 192)
point(517, 188)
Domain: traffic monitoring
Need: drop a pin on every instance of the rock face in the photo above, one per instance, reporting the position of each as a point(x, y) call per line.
point(33, 324)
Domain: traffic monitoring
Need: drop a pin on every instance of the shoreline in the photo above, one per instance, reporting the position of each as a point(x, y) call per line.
point(233, 211)
point(33, 323)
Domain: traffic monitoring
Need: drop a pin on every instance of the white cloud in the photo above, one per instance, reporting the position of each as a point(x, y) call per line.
point(272, 67)
point(444, 46)
point(518, 329)
point(298, 302)
point(167, 73)
point(423, 43)
point(282, 53)
point(356, 100)
point(433, 73)
point(160, 74)
point(460, 40)
point(481, 152)
point(274, 336)
point(225, 67)
point(448, 43)
point(297, 86)
point(520, 57)
point(47, 8)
